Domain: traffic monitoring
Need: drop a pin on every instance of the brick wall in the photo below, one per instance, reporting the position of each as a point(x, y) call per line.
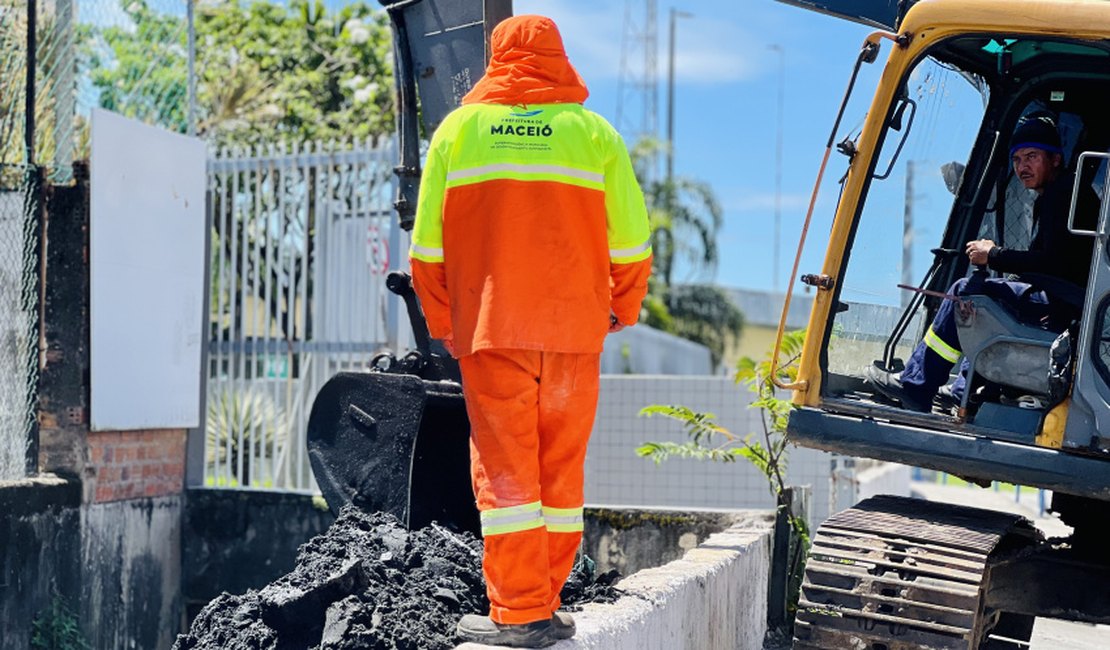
point(135, 464)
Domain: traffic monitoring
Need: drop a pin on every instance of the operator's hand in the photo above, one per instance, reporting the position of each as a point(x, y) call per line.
point(449, 343)
point(614, 323)
point(978, 251)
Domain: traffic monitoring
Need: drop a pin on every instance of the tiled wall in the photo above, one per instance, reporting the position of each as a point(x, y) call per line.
point(615, 475)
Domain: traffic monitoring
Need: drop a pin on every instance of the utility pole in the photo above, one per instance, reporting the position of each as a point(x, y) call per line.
point(192, 68)
point(29, 98)
point(778, 165)
point(675, 14)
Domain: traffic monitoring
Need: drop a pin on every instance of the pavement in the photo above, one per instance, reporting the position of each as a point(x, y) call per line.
point(1048, 634)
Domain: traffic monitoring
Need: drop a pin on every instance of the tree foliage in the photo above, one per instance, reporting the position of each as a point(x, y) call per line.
point(266, 72)
point(685, 220)
point(704, 314)
point(13, 79)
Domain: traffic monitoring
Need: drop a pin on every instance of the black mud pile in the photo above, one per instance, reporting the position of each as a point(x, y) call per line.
point(367, 584)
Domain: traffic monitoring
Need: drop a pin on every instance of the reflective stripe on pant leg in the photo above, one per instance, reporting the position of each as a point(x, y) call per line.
point(562, 520)
point(500, 521)
point(937, 344)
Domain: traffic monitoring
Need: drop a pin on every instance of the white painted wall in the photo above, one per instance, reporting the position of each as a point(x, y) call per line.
point(146, 263)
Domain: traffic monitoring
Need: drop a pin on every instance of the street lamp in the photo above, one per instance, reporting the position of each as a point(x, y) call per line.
point(675, 14)
point(778, 163)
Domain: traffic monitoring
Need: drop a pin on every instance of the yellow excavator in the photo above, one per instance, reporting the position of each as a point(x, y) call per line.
point(897, 573)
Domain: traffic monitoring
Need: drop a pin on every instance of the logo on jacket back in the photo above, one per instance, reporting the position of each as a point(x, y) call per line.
point(524, 123)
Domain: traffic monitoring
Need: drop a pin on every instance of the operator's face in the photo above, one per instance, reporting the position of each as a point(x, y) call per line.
point(1035, 167)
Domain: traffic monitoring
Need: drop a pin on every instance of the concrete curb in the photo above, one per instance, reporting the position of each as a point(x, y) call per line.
point(713, 598)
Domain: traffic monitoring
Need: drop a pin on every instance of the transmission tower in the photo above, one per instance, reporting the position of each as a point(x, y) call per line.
point(638, 84)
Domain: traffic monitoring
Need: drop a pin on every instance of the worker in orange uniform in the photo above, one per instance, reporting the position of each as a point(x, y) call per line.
point(531, 243)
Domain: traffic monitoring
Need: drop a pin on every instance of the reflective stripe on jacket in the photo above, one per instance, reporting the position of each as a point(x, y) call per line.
point(530, 228)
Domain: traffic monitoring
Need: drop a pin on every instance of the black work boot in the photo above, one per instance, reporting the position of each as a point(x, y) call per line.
point(889, 385)
point(563, 624)
point(482, 629)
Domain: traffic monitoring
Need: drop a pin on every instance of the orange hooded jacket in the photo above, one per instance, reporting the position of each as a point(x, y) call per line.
point(530, 225)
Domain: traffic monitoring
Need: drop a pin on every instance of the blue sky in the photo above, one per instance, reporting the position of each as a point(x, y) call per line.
point(726, 84)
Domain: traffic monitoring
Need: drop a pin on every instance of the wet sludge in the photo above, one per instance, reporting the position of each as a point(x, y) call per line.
point(368, 583)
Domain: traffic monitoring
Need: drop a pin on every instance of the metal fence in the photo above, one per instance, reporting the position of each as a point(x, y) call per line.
point(20, 202)
point(299, 252)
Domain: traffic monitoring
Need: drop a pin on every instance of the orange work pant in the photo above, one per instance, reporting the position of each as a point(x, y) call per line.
point(531, 413)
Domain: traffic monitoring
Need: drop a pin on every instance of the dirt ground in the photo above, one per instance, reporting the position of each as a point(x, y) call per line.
point(367, 583)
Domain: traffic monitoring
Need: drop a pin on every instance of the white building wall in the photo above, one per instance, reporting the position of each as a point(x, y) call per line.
point(647, 351)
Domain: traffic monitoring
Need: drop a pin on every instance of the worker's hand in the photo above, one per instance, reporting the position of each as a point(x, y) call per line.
point(449, 343)
point(614, 323)
point(978, 251)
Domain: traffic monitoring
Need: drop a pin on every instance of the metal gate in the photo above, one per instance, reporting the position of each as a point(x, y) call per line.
point(298, 256)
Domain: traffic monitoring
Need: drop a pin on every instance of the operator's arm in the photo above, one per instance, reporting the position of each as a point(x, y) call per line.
point(629, 235)
point(1008, 260)
point(1054, 250)
point(426, 253)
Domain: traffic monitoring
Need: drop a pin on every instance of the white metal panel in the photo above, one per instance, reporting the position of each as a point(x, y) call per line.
point(147, 275)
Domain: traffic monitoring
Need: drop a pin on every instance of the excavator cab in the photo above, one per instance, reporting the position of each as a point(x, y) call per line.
point(927, 170)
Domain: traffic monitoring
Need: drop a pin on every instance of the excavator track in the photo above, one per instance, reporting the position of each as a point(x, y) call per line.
point(904, 574)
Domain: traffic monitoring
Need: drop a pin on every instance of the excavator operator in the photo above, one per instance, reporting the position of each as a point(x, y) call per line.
point(531, 243)
point(1037, 158)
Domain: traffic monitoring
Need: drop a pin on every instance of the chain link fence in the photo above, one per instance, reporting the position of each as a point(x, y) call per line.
point(20, 200)
point(130, 56)
point(20, 203)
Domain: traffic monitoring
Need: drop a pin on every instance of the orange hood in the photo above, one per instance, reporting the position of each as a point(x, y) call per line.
point(528, 65)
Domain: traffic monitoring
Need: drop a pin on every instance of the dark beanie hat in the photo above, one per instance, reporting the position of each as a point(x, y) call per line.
point(1037, 129)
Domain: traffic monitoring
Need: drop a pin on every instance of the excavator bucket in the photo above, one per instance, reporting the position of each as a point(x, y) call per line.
point(394, 443)
point(396, 438)
point(440, 49)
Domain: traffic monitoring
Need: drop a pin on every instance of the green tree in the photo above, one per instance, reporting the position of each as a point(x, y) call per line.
point(685, 220)
point(13, 79)
point(266, 72)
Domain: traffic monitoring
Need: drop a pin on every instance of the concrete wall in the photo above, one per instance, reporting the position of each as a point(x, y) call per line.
point(883, 478)
point(40, 553)
point(628, 540)
point(131, 572)
point(235, 540)
point(646, 351)
point(713, 598)
point(116, 566)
